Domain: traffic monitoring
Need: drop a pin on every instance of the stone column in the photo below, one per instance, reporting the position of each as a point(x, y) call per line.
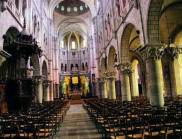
point(154, 74)
point(57, 86)
point(51, 91)
point(38, 89)
point(173, 54)
point(105, 89)
point(134, 84)
point(111, 85)
point(100, 88)
point(46, 85)
point(125, 71)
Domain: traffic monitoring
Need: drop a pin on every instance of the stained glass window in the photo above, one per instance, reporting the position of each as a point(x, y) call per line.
point(68, 9)
point(73, 45)
point(62, 8)
point(81, 8)
point(75, 9)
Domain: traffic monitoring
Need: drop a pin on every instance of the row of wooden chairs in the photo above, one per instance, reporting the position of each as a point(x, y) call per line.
point(136, 119)
point(41, 121)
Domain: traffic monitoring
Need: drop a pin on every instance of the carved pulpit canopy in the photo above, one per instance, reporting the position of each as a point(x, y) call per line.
point(22, 46)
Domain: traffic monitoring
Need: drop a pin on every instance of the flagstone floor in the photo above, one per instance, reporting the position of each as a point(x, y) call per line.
point(77, 125)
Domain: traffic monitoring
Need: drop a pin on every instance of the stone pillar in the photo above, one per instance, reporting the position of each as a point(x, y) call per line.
point(105, 89)
point(51, 91)
point(57, 88)
point(101, 88)
point(134, 84)
point(173, 54)
point(125, 71)
point(38, 89)
point(111, 85)
point(46, 85)
point(154, 74)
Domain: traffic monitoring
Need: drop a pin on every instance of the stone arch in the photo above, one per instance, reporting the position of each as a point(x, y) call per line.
point(130, 41)
point(171, 34)
point(176, 35)
point(111, 59)
point(170, 21)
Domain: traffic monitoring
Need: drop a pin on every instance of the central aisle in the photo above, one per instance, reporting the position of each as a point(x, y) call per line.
point(77, 125)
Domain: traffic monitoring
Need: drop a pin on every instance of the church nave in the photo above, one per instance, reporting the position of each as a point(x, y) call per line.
point(77, 125)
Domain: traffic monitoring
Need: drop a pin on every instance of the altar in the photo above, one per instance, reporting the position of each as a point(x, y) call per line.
point(75, 95)
point(75, 87)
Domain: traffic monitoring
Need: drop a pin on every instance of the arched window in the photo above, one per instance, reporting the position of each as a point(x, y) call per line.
point(77, 66)
point(68, 9)
point(73, 45)
point(83, 67)
point(62, 8)
point(75, 9)
point(62, 44)
point(71, 67)
point(81, 8)
point(62, 68)
point(86, 67)
point(65, 67)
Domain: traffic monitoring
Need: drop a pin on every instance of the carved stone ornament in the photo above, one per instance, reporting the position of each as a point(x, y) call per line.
point(37, 79)
point(173, 52)
point(110, 74)
point(101, 80)
point(46, 83)
point(125, 68)
point(155, 53)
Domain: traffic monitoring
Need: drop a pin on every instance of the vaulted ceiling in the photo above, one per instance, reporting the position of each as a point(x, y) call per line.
point(79, 22)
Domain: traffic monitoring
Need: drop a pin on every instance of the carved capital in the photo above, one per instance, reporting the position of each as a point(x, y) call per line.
point(173, 52)
point(110, 74)
point(155, 53)
point(46, 83)
point(152, 51)
point(101, 80)
point(125, 68)
point(37, 79)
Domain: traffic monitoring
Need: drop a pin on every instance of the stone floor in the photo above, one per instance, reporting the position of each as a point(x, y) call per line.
point(77, 125)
